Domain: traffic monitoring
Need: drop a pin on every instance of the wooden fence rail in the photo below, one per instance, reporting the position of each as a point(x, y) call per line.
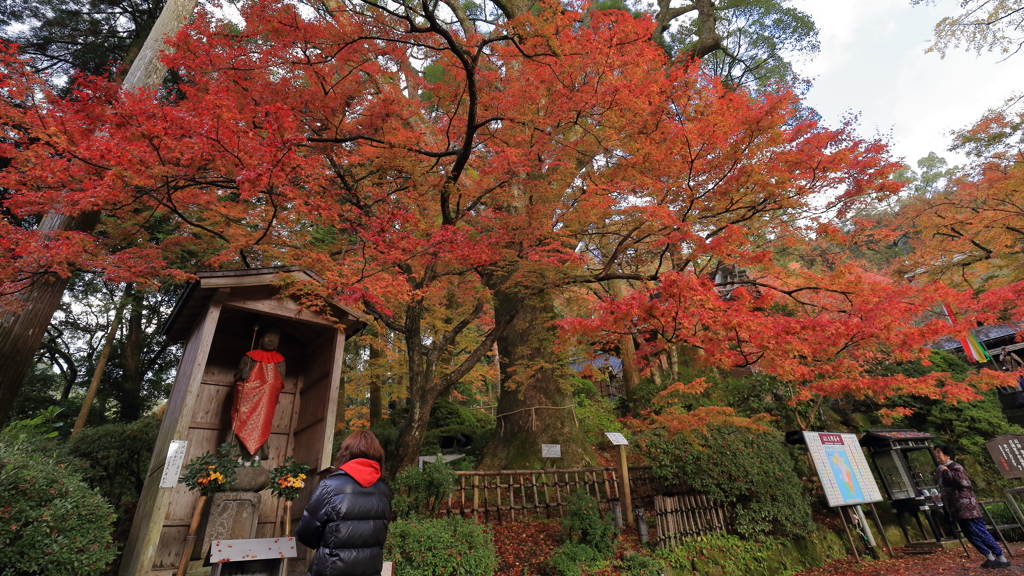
point(497, 495)
point(677, 518)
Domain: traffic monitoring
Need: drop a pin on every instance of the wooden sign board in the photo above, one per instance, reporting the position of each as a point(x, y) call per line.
point(172, 467)
point(251, 549)
point(1007, 452)
point(617, 439)
point(551, 450)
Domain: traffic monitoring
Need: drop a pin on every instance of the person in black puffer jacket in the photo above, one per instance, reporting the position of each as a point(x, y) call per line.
point(346, 522)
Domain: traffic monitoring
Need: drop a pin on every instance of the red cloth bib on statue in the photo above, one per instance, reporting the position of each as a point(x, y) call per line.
point(252, 413)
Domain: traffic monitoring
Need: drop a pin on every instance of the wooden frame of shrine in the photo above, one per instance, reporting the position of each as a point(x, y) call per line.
point(215, 318)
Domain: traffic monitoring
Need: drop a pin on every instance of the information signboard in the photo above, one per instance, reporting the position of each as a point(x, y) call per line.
point(843, 469)
point(617, 439)
point(551, 450)
point(1008, 453)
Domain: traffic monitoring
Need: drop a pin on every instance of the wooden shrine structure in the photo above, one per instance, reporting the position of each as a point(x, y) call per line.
point(215, 318)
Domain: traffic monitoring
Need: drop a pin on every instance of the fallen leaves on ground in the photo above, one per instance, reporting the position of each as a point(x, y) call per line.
point(524, 547)
point(947, 562)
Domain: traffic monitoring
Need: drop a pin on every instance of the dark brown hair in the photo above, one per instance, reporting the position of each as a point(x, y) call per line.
point(360, 444)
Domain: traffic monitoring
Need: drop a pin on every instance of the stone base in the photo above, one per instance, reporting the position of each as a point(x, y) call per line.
point(232, 516)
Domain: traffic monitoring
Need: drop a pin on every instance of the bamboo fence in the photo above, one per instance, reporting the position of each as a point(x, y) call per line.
point(677, 518)
point(499, 495)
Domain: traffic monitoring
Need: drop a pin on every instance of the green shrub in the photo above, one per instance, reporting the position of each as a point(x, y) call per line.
point(117, 457)
point(640, 564)
point(51, 522)
point(440, 547)
point(585, 524)
point(729, 555)
point(420, 493)
point(588, 537)
point(748, 470)
point(571, 558)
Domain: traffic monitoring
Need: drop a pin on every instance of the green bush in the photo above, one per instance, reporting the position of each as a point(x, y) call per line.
point(51, 522)
point(729, 555)
point(420, 493)
point(746, 469)
point(571, 558)
point(440, 547)
point(588, 537)
point(585, 524)
point(117, 457)
point(640, 564)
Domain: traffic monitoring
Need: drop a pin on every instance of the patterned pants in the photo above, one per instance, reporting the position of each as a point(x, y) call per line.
point(977, 534)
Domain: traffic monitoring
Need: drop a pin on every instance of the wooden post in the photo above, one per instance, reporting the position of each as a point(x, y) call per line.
point(190, 539)
point(476, 498)
point(627, 501)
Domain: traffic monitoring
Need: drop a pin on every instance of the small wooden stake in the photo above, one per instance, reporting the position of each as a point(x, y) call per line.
point(190, 539)
point(627, 501)
point(287, 518)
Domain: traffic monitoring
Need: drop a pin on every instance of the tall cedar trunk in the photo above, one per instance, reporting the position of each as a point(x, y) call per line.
point(534, 404)
point(21, 333)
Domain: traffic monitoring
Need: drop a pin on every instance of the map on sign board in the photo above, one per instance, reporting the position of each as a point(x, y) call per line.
point(617, 438)
point(172, 465)
point(843, 470)
point(551, 450)
point(1007, 452)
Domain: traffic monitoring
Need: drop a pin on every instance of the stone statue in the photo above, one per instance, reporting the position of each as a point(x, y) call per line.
point(258, 383)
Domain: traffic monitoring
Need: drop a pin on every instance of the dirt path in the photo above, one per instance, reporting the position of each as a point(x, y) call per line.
point(949, 563)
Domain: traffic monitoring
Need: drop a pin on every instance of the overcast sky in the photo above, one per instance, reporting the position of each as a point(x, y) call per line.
point(872, 63)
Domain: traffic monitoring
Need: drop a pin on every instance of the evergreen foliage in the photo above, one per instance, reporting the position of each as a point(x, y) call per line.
point(420, 493)
point(440, 547)
point(81, 36)
point(747, 469)
point(51, 522)
point(588, 537)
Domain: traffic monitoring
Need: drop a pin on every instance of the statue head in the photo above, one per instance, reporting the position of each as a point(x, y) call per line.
point(270, 337)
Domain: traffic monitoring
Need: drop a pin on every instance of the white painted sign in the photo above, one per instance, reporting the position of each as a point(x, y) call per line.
point(172, 465)
point(551, 450)
point(842, 468)
point(617, 438)
point(251, 549)
point(443, 457)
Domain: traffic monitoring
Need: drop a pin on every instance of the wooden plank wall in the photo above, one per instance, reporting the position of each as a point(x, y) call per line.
point(142, 547)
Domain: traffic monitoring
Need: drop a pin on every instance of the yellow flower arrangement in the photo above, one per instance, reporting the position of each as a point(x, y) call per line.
point(211, 473)
point(288, 479)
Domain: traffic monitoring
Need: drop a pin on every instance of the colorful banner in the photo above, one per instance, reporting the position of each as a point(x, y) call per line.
point(972, 347)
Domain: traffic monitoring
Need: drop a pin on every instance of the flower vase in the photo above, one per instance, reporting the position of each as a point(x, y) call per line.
point(287, 518)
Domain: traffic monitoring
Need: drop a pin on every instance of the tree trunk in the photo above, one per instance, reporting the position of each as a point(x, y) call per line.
point(108, 343)
point(21, 333)
point(627, 351)
point(410, 438)
point(535, 405)
point(376, 408)
point(131, 359)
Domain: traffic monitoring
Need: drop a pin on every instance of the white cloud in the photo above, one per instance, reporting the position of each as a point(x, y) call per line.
point(872, 62)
